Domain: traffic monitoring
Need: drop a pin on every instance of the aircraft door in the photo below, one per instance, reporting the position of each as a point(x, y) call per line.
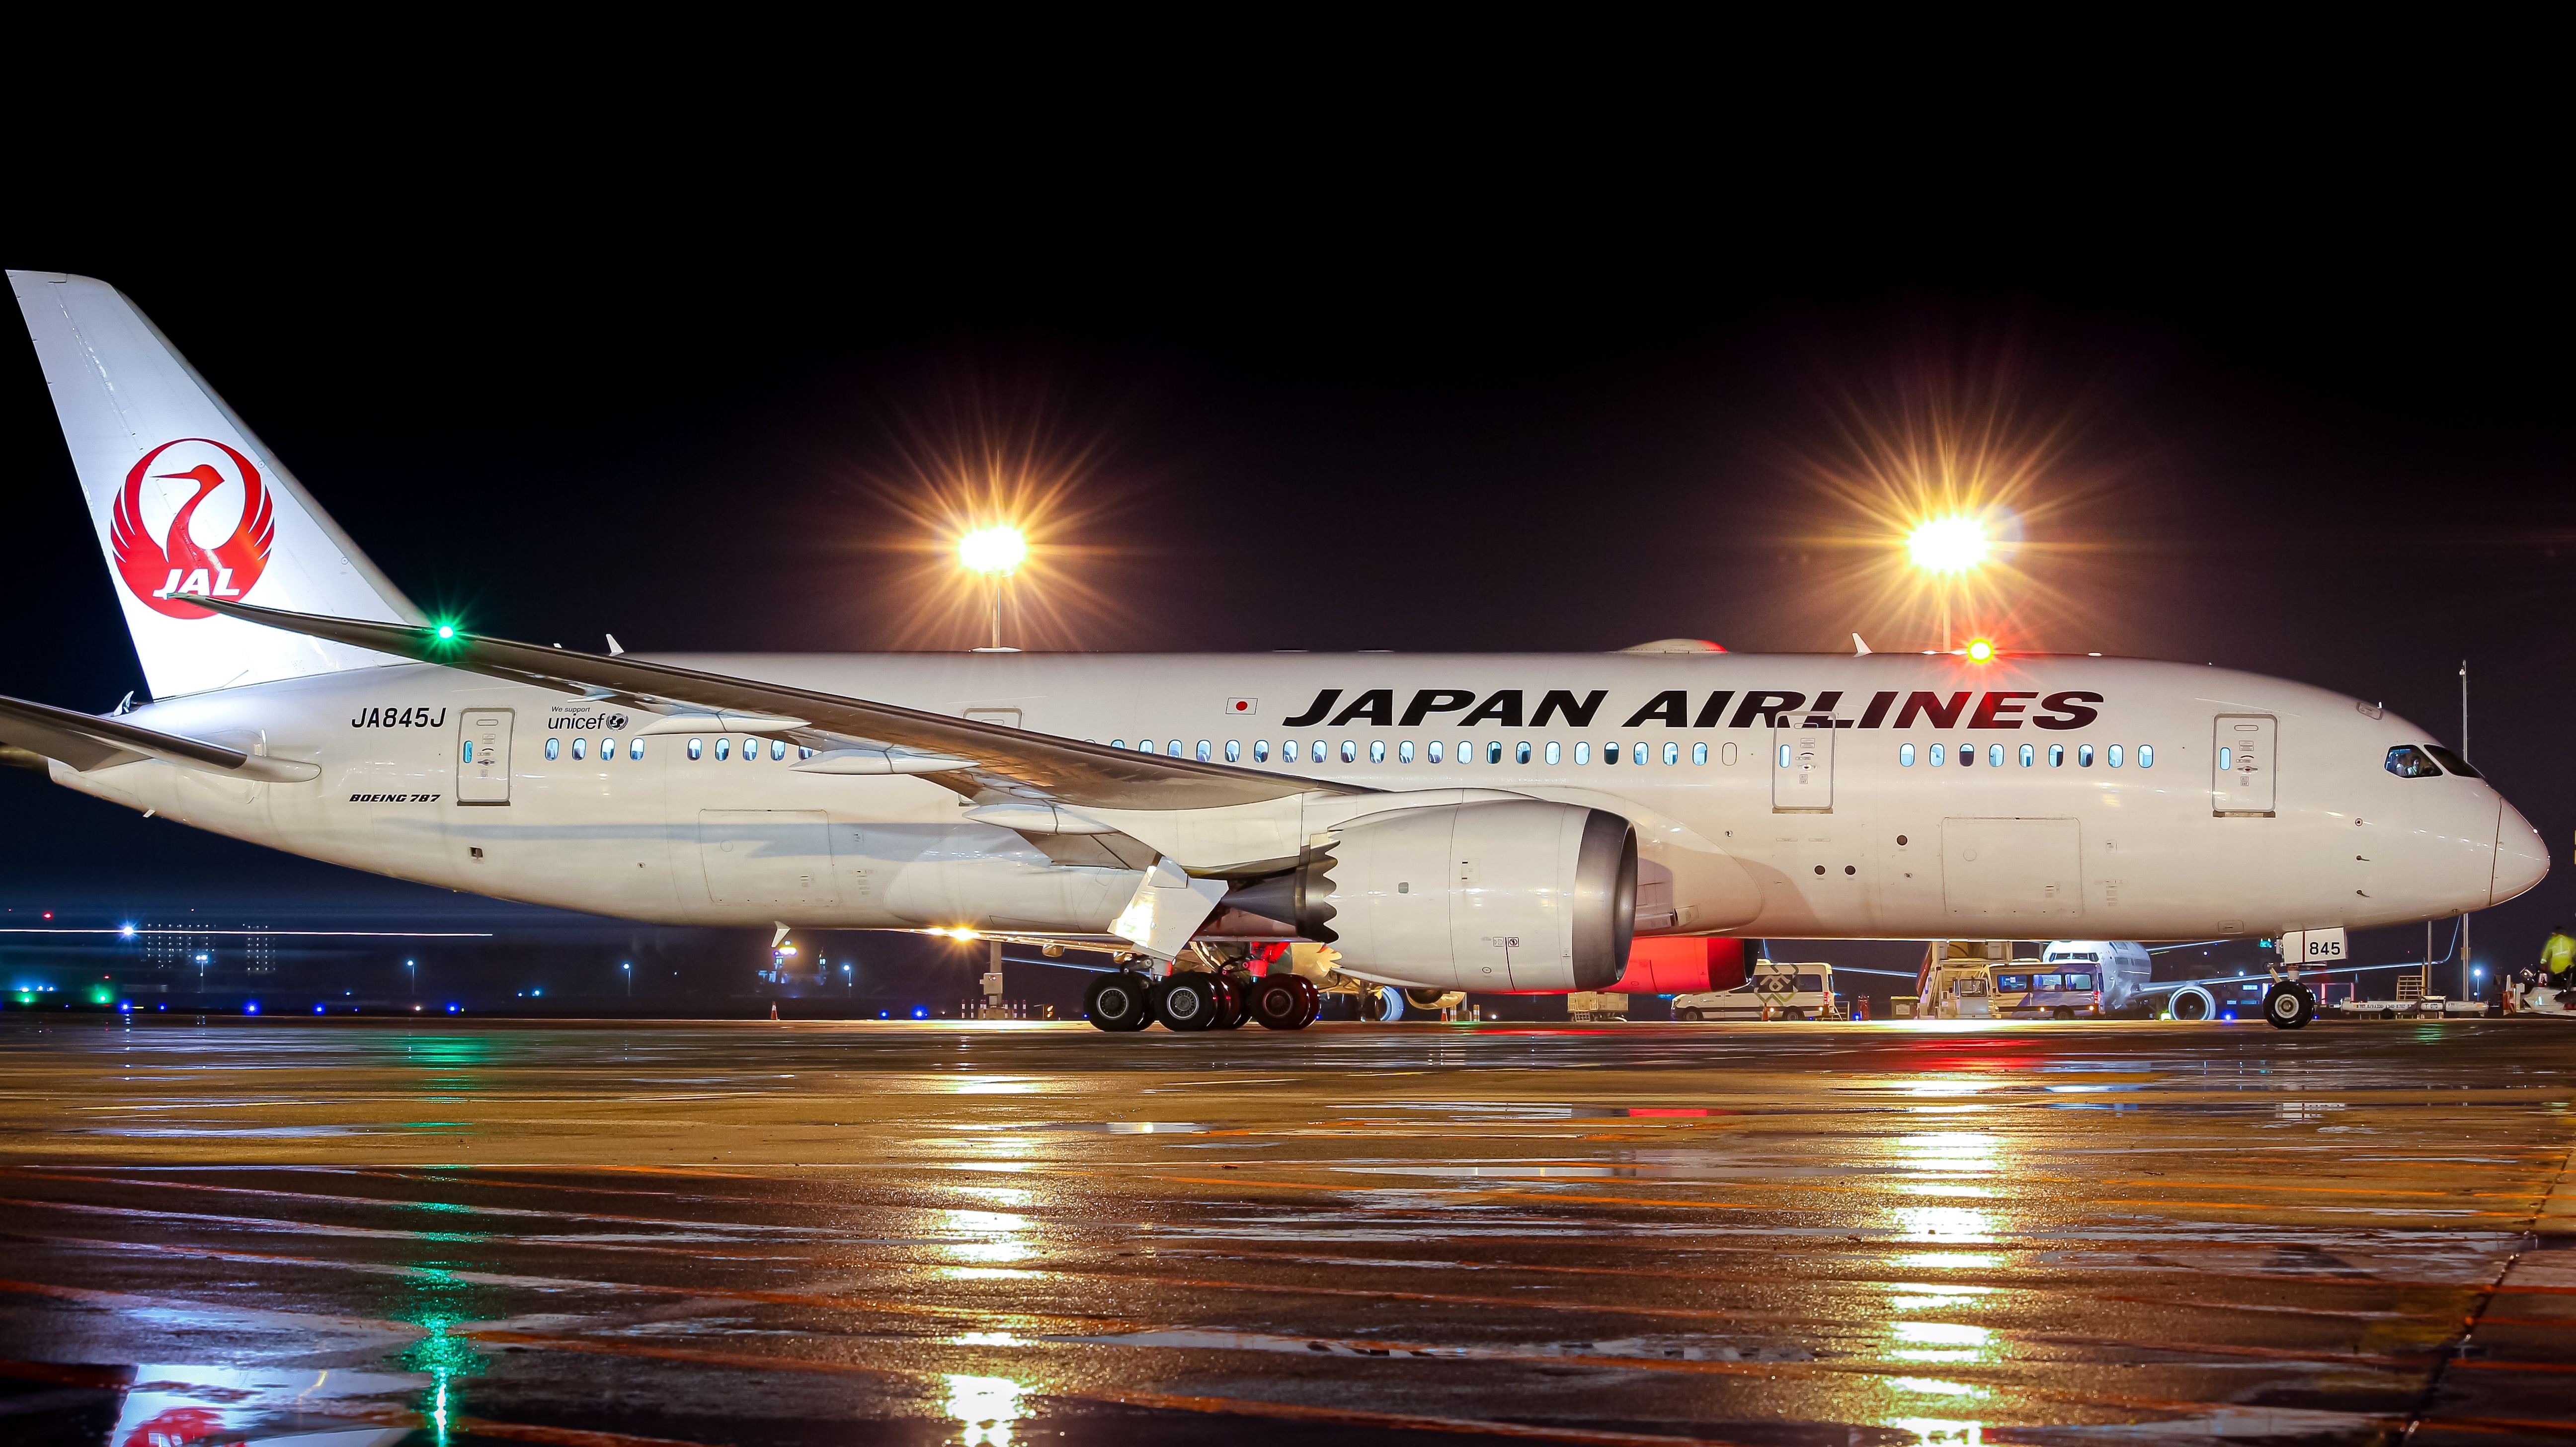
point(1802, 770)
point(483, 756)
point(2243, 776)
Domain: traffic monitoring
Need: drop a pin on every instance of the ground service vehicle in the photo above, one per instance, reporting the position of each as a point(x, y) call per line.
point(1447, 822)
point(1771, 991)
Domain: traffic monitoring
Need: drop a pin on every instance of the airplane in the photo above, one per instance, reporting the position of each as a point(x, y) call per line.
point(1442, 822)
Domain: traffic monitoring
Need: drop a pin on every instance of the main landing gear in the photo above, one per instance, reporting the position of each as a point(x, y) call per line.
point(1191, 1000)
point(2288, 1005)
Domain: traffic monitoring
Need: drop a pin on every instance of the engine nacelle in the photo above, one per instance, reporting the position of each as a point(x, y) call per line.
point(1492, 896)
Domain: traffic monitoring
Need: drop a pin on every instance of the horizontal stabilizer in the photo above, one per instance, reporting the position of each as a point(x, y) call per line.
point(86, 742)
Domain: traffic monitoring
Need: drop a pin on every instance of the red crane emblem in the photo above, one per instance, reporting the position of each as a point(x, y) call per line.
point(153, 569)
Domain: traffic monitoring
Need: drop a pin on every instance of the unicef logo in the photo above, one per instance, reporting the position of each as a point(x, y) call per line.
point(613, 721)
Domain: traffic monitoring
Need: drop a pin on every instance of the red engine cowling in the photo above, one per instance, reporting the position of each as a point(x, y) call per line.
point(1682, 965)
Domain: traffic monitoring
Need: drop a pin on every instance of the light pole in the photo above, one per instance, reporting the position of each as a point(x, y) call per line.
point(628, 969)
point(411, 977)
point(995, 553)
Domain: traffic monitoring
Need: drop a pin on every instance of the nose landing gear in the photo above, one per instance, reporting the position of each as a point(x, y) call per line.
point(2288, 1005)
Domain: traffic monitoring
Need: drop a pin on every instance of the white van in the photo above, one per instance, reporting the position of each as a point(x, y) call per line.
point(1775, 991)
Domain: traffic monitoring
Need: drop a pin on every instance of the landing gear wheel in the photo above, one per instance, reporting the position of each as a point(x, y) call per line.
point(1231, 1008)
point(1382, 1006)
point(1314, 997)
point(1118, 1002)
point(2288, 1005)
point(1187, 1001)
point(1277, 1002)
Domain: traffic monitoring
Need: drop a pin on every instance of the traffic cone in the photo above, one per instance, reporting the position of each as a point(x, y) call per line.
point(773, 1009)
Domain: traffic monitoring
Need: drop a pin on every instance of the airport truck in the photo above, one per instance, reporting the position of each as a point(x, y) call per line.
point(1774, 991)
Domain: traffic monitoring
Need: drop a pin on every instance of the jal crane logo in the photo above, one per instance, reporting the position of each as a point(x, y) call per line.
point(193, 517)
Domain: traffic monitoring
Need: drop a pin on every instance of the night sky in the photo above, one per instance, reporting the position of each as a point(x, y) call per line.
point(2264, 436)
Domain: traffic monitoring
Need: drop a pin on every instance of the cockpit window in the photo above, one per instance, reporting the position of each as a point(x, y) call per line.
point(2451, 761)
point(2409, 762)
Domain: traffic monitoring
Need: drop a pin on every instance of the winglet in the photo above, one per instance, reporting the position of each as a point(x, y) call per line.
point(613, 649)
point(1859, 649)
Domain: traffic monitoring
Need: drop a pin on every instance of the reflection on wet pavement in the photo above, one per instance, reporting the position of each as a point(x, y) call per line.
point(616, 1236)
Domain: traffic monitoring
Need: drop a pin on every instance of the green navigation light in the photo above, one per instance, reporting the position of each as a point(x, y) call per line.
point(446, 631)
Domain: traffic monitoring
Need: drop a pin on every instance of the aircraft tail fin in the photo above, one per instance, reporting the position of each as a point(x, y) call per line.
point(185, 499)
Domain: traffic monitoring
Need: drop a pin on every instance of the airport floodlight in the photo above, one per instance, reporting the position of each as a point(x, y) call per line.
point(1947, 544)
point(992, 550)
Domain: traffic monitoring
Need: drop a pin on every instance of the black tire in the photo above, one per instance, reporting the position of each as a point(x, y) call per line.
point(2288, 1006)
point(1118, 1002)
point(1186, 1002)
point(1232, 1007)
point(1314, 1010)
point(1277, 1003)
point(2062, 1012)
point(1686, 1015)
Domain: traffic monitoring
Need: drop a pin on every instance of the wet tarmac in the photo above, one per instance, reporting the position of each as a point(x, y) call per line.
point(603, 1236)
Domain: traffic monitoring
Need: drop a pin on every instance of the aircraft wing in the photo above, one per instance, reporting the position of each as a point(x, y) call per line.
point(977, 760)
point(88, 742)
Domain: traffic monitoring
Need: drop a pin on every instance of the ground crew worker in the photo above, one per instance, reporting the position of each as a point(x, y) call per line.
point(2558, 956)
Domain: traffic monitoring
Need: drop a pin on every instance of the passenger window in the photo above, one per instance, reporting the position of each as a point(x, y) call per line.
point(1404, 752)
point(777, 749)
point(1377, 751)
point(1699, 753)
point(1583, 753)
point(2146, 756)
point(2452, 761)
point(607, 749)
point(579, 746)
point(1261, 751)
point(1175, 749)
point(1937, 756)
point(1995, 755)
point(2011, 984)
point(1234, 751)
point(1494, 752)
point(802, 753)
point(1555, 752)
point(1466, 751)
point(1350, 752)
point(2403, 761)
point(750, 750)
point(1672, 753)
point(553, 747)
point(2029, 755)
point(1435, 751)
point(2052, 982)
point(1287, 751)
point(2079, 982)
point(696, 748)
point(2057, 756)
point(724, 750)
point(1610, 754)
point(2083, 756)
point(1640, 755)
point(2114, 759)
point(1520, 755)
point(1967, 756)
point(1117, 743)
point(1206, 751)
point(1905, 756)
point(1318, 751)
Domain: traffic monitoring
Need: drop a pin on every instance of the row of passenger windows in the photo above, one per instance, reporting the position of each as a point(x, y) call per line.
point(2027, 755)
point(635, 749)
point(1322, 752)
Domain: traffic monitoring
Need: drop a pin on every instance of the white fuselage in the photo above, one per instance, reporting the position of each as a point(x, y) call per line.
point(2305, 829)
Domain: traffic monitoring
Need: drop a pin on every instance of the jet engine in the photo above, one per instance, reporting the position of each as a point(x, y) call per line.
point(1489, 896)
